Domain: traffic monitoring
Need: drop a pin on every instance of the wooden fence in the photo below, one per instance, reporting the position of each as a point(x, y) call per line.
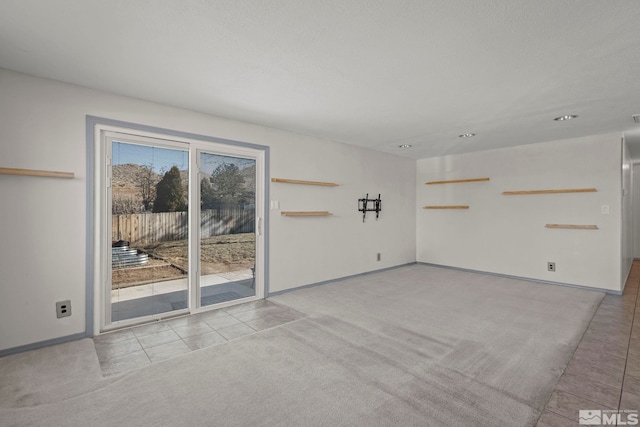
point(146, 228)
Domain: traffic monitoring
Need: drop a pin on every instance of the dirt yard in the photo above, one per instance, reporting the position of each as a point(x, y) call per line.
point(155, 271)
point(168, 260)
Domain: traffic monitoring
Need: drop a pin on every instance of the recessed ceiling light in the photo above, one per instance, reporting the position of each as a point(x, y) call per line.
point(466, 135)
point(405, 146)
point(567, 117)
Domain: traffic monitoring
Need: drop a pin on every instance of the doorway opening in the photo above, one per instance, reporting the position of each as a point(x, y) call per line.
point(181, 225)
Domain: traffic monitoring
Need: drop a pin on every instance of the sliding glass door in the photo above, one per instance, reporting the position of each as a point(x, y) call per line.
point(181, 227)
point(149, 229)
point(227, 228)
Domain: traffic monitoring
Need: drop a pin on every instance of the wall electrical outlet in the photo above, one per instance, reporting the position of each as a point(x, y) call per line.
point(63, 308)
point(551, 266)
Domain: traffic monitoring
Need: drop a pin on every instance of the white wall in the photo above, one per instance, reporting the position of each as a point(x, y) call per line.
point(627, 215)
point(43, 220)
point(304, 250)
point(636, 210)
point(506, 234)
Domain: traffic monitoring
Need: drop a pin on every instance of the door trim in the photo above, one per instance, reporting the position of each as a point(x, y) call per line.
point(95, 126)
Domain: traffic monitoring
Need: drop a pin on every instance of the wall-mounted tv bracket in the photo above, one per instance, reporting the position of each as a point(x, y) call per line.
point(369, 205)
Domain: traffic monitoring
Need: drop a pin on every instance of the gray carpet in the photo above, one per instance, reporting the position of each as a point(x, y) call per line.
point(417, 345)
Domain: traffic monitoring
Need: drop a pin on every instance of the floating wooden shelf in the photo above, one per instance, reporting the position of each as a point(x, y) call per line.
point(33, 172)
point(305, 213)
point(572, 190)
point(456, 181)
point(573, 226)
point(447, 207)
point(297, 181)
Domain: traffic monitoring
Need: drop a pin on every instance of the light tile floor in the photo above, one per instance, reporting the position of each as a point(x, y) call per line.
point(604, 373)
point(139, 346)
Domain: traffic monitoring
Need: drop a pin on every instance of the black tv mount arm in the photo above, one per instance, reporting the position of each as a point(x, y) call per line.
point(364, 206)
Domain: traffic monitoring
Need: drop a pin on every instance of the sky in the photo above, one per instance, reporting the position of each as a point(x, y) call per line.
point(161, 159)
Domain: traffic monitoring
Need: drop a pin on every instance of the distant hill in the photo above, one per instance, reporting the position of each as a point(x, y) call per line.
point(125, 179)
point(126, 174)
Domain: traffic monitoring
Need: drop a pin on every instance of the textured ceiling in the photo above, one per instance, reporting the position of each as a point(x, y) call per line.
point(373, 73)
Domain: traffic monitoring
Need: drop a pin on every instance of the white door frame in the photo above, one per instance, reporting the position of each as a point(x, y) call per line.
point(101, 267)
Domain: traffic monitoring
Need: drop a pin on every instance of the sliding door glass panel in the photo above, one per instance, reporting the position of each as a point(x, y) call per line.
point(149, 230)
point(227, 244)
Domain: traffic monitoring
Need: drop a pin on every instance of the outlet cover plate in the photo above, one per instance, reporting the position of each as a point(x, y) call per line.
point(63, 308)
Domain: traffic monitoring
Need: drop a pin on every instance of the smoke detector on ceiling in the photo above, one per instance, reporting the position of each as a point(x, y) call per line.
point(636, 118)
